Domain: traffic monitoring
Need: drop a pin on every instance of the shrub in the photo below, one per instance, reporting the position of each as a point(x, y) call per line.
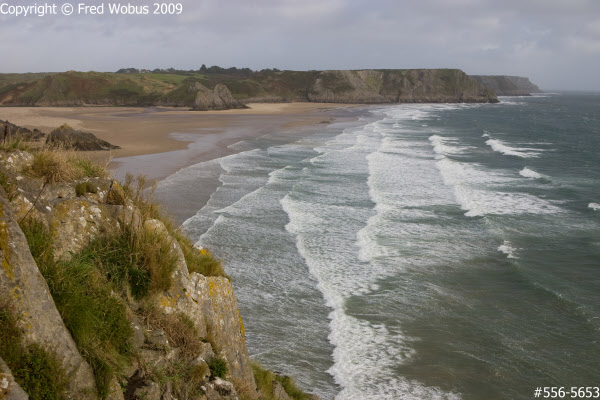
point(36, 370)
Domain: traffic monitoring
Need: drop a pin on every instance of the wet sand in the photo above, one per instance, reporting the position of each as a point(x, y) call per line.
point(181, 137)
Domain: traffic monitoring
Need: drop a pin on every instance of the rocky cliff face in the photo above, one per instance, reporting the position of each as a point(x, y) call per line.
point(183, 339)
point(504, 85)
point(398, 86)
point(230, 89)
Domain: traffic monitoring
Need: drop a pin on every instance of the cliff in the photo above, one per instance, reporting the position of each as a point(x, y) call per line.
point(503, 85)
point(102, 298)
point(230, 90)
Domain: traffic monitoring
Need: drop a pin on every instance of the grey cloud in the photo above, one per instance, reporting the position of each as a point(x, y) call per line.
point(554, 42)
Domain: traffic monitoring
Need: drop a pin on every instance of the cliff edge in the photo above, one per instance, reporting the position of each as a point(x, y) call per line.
point(504, 85)
point(102, 298)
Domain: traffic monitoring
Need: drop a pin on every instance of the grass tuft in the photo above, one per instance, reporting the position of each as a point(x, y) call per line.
point(36, 370)
point(83, 188)
point(218, 367)
point(201, 261)
point(59, 165)
point(264, 381)
point(178, 328)
point(9, 185)
point(14, 145)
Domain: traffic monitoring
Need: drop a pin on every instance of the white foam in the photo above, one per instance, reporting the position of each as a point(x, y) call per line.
point(475, 189)
point(529, 173)
point(501, 147)
point(507, 249)
point(594, 206)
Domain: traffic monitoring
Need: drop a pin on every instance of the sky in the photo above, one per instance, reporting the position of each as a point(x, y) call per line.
point(556, 43)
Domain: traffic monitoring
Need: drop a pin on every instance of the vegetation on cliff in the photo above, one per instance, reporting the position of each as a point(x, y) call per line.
point(182, 88)
point(152, 315)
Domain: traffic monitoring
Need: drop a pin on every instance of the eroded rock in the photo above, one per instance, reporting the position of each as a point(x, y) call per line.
point(25, 287)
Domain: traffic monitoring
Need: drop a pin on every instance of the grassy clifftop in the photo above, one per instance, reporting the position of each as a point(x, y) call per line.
point(176, 88)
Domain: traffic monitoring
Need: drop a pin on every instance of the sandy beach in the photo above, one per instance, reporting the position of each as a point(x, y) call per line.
point(181, 137)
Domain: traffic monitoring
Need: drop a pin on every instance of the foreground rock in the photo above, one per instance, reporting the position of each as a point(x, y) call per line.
point(10, 131)
point(219, 98)
point(70, 138)
point(25, 287)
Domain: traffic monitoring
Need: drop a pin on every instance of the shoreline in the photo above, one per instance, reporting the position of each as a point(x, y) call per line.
point(159, 141)
point(141, 131)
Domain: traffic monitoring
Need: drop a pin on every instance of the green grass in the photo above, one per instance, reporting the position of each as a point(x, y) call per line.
point(84, 297)
point(200, 261)
point(264, 381)
point(35, 369)
point(142, 260)
point(218, 367)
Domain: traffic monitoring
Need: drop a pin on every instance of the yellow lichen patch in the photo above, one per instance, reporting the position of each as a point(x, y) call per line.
point(167, 303)
point(8, 268)
point(242, 329)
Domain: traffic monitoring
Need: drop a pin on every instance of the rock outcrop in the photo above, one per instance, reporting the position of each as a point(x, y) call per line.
point(219, 98)
point(10, 131)
point(24, 285)
point(504, 85)
point(69, 138)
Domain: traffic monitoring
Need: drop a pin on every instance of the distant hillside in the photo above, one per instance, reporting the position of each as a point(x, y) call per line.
point(133, 87)
point(504, 85)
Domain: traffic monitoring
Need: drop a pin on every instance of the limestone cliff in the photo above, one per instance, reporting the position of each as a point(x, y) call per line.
point(398, 86)
point(504, 85)
point(82, 255)
point(230, 89)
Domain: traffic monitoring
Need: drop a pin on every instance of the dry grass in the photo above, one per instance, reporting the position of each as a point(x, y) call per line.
point(178, 328)
point(58, 165)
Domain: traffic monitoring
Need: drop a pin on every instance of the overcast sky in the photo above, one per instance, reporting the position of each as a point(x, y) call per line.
point(554, 42)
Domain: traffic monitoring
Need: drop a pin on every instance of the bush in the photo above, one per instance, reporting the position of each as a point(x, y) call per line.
point(36, 370)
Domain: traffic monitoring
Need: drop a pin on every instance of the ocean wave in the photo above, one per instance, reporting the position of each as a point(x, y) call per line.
point(529, 173)
point(474, 189)
point(508, 249)
point(501, 147)
point(594, 206)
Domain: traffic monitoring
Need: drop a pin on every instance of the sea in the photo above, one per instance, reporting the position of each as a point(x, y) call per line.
point(417, 251)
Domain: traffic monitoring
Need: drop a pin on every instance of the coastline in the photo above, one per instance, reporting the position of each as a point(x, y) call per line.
point(159, 141)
